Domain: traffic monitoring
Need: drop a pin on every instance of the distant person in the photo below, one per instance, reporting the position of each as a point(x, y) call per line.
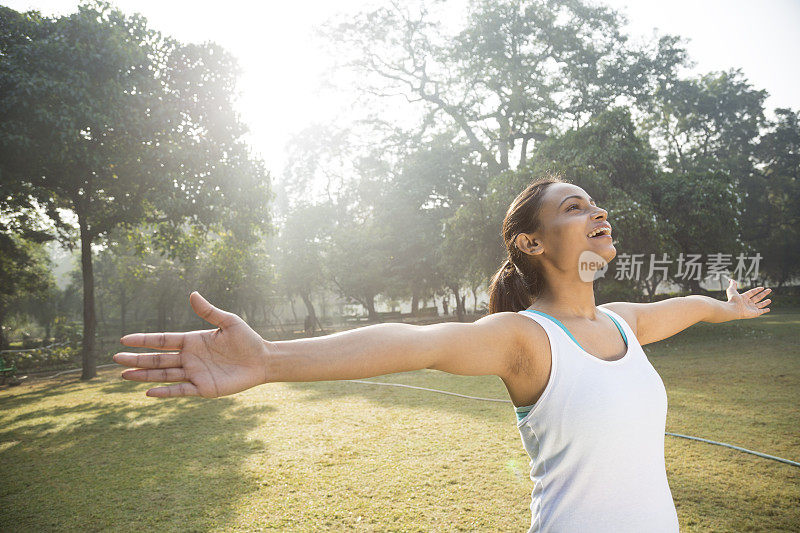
point(309, 326)
point(591, 409)
point(444, 305)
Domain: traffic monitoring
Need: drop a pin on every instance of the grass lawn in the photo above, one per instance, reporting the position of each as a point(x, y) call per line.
point(344, 456)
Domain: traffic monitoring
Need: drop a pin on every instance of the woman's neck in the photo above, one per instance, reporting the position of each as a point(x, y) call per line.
point(574, 299)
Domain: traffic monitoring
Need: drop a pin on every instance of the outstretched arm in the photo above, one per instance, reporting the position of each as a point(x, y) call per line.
point(233, 357)
point(483, 347)
point(659, 320)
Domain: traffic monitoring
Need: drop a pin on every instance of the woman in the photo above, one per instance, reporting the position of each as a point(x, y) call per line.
point(591, 409)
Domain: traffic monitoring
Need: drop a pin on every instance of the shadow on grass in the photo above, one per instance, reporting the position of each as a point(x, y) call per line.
point(40, 392)
point(116, 461)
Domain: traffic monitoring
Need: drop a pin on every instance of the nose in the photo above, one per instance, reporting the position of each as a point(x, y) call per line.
point(602, 213)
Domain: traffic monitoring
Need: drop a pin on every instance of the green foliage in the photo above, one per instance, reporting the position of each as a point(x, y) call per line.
point(66, 330)
point(233, 273)
point(771, 205)
point(104, 117)
point(708, 122)
point(25, 274)
point(112, 120)
point(517, 72)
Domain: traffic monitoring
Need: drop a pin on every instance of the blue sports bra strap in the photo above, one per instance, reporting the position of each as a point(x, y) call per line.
point(624, 337)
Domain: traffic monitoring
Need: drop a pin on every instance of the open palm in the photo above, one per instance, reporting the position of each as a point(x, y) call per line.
point(749, 304)
point(208, 363)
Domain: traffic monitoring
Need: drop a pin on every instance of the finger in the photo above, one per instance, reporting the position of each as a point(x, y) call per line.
point(759, 295)
point(209, 313)
point(763, 304)
point(163, 374)
point(174, 391)
point(751, 292)
point(148, 360)
point(165, 341)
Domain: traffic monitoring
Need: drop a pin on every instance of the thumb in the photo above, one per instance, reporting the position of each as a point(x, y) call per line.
point(208, 312)
point(731, 286)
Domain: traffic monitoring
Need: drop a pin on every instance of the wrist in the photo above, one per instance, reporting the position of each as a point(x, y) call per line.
point(268, 350)
point(721, 311)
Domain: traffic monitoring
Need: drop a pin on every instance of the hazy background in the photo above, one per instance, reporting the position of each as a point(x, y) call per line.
point(759, 37)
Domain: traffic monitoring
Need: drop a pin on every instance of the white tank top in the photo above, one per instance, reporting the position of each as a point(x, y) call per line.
point(595, 438)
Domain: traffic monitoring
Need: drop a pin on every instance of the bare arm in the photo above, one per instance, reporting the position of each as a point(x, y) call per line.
point(483, 347)
point(231, 358)
point(659, 320)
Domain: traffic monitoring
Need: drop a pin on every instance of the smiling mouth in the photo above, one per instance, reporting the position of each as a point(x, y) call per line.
point(603, 230)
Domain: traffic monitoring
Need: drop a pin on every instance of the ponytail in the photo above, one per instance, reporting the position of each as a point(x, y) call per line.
point(508, 290)
point(513, 289)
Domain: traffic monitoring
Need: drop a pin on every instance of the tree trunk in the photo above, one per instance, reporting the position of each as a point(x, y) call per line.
point(3, 344)
point(651, 286)
point(101, 317)
point(278, 321)
point(250, 313)
point(89, 326)
point(122, 310)
point(694, 286)
point(460, 308)
point(414, 303)
point(311, 312)
point(370, 305)
point(523, 156)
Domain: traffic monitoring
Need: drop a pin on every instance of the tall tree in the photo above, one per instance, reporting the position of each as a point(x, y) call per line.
point(518, 72)
point(106, 118)
point(709, 122)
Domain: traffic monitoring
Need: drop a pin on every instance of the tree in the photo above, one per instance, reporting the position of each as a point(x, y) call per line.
point(709, 122)
point(105, 118)
point(432, 180)
point(517, 73)
point(304, 237)
point(772, 199)
point(25, 271)
point(358, 259)
point(124, 271)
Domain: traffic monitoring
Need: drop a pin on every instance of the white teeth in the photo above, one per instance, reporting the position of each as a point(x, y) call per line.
point(604, 230)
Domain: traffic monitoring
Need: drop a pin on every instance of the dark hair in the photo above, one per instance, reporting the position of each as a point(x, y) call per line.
point(519, 281)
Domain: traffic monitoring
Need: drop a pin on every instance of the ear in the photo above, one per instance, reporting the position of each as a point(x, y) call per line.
point(527, 243)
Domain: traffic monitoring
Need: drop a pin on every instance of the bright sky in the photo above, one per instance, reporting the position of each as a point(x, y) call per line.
point(282, 66)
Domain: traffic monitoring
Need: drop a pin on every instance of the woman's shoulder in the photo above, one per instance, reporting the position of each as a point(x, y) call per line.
point(627, 310)
point(533, 339)
point(517, 322)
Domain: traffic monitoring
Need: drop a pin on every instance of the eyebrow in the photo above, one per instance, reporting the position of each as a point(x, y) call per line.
point(574, 196)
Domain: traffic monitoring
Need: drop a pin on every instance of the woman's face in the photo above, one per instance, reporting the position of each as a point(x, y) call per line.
point(568, 216)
